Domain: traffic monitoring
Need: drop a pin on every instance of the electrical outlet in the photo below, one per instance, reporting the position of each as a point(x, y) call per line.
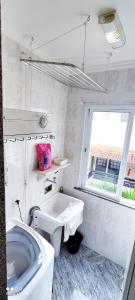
point(14, 203)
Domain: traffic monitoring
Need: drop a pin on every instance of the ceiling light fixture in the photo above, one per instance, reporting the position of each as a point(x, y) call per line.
point(113, 29)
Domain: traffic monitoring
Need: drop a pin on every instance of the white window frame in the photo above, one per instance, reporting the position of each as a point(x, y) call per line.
point(89, 110)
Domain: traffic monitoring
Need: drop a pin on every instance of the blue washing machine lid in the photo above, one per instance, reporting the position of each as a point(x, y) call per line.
point(24, 259)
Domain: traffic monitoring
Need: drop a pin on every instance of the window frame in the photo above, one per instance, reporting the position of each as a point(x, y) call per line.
point(86, 141)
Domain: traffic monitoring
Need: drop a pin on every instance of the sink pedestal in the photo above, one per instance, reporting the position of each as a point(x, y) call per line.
point(55, 240)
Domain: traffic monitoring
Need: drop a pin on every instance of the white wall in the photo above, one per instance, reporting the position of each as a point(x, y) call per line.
point(108, 228)
point(24, 88)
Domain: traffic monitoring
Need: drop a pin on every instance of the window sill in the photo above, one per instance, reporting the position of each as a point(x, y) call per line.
point(121, 202)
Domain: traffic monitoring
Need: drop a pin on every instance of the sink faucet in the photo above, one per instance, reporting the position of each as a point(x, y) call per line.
point(52, 181)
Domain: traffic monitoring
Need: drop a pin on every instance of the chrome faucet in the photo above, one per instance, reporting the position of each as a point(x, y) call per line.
point(52, 181)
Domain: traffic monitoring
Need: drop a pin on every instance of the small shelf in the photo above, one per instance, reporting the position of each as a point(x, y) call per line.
point(52, 170)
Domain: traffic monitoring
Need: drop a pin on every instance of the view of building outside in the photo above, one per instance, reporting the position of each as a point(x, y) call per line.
point(106, 148)
point(129, 182)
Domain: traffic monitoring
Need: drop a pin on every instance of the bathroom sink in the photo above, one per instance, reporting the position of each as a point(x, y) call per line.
point(57, 212)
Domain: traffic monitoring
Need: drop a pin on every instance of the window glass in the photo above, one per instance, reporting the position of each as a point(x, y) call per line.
point(129, 179)
point(106, 149)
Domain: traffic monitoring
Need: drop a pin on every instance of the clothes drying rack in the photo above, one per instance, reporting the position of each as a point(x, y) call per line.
point(67, 73)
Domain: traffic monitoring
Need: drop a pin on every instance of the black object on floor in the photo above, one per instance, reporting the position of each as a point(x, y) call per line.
point(74, 242)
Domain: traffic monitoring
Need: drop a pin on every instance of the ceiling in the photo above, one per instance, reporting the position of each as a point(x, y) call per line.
point(46, 19)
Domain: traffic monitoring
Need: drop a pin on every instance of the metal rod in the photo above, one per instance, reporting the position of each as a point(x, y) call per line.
point(77, 74)
point(86, 80)
point(55, 76)
point(46, 62)
point(98, 85)
point(62, 76)
point(76, 77)
point(66, 75)
point(46, 72)
point(89, 80)
point(58, 37)
point(85, 40)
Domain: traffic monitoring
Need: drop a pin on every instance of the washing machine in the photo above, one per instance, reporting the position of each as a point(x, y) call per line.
point(30, 261)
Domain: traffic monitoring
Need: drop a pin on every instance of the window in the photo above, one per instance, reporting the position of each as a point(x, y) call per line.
point(108, 153)
point(128, 190)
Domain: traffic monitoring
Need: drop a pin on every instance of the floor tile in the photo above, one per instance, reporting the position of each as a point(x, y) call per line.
point(86, 276)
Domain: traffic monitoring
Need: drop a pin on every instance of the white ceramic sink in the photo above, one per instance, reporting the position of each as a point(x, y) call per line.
point(57, 204)
point(50, 216)
point(55, 213)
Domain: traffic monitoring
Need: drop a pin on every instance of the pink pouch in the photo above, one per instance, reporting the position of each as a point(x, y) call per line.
point(44, 156)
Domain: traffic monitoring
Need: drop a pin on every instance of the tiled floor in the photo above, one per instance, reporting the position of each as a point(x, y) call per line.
point(86, 276)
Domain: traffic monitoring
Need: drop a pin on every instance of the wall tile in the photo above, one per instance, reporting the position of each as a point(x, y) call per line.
point(25, 88)
point(108, 228)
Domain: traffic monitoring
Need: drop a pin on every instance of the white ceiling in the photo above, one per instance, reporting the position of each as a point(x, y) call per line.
point(45, 19)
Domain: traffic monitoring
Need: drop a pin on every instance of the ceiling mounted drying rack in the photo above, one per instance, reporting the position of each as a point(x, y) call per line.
point(67, 73)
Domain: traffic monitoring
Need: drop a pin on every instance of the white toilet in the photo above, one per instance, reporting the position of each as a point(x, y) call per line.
point(57, 213)
point(30, 261)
